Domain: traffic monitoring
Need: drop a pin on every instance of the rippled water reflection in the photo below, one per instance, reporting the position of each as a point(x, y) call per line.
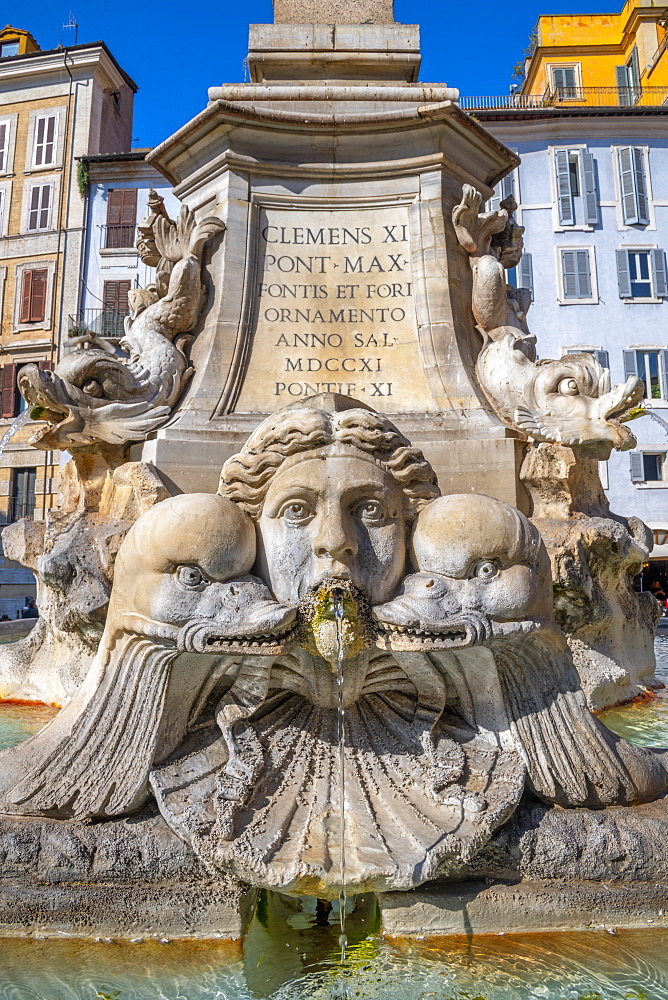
point(645, 723)
point(292, 951)
point(18, 722)
point(632, 965)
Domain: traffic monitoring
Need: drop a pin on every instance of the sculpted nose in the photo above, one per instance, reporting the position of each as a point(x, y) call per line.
point(334, 539)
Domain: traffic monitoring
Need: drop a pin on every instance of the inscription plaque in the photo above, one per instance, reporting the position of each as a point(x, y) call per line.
point(333, 310)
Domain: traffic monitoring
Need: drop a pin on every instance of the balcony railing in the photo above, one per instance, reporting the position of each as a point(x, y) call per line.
point(560, 97)
point(119, 236)
point(96, 324)
point(20, 505)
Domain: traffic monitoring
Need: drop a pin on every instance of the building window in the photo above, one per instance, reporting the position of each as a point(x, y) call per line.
point(13, 402)
point(601, 356)
point(648, 466)
point(121, 217)
point(641, 274)
point(577, 199)
point(4, 146)
point(633, 185)
point(22, 498)
point(44, 147)
point(565, 82)
point(33, 296)
point(39, 209)
point(652, 367)
point(525, 273)
point(116, 307)
point(628, 80)
point(2, 212)
point(9, 49)
point(506, 189)
point(576, 275)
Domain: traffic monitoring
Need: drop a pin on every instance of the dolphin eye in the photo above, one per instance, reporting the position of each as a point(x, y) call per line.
point(486, 570)
point(568, 387)
point(190, 577)
point(92, 387)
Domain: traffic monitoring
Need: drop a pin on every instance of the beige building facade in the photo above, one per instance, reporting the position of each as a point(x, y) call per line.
point(55, 107)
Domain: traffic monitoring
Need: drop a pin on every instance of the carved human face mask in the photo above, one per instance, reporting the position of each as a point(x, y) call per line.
point(340, 518)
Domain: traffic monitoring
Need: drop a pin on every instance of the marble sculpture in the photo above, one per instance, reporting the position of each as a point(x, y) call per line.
point(96, 396)
point(568, 401)
point(214, 685)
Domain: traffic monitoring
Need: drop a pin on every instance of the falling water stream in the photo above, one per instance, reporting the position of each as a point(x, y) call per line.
point(657, 419)
point(13, 428)
point(341, 719)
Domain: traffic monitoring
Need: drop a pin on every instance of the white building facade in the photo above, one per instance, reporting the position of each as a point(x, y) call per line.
point(592, 194)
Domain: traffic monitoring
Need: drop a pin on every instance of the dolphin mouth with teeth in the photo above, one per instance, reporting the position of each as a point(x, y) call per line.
point(470, 628)
point(277, 634)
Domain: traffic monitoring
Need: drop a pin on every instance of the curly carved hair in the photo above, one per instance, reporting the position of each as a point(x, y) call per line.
point(246, 477)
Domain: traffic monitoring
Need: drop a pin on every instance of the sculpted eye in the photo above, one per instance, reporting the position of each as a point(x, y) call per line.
point(486, 570)
point(297, 512)
point(569, 387)
point(92, 387)
point(370, 511)
point(190, 576)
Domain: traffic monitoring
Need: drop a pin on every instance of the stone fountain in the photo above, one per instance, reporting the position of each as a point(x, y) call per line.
point(338, 665)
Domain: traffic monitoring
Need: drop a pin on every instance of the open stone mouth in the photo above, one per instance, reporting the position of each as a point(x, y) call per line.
point(468, 630)
point(259, 640)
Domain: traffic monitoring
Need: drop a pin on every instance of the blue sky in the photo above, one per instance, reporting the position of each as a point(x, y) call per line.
point(176, 50)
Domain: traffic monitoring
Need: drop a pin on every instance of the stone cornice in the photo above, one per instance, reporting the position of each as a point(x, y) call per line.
point(80, 58)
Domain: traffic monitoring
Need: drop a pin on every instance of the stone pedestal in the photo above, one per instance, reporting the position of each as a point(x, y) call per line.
point(336, 175)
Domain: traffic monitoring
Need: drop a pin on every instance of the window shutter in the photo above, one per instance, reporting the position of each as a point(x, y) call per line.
point(525, 273)
point(564, 196)
point(114, 206)
point(50, 139)
point(26, 296)
point(115, 296)
point(38, 298)
point(630, 364)
point(39, 142)
point(602, 358)
point(4, 136)
point(589, 187)
point(129, 206)
point(9, 394)
point(45, 366)
point(663, 373)
point(583, 274)
point(2, 212)
point(45, 210)
point(623, 274)
point(627, 185)
point(640, 185)
point(623, 86)
point(569, 274)
point(663, 366)
point(657, 262)
point(637, 468)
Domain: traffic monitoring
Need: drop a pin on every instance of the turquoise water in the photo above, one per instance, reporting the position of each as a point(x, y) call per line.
point(292, 952)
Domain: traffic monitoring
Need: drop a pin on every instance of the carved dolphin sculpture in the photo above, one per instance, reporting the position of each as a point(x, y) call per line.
point(96, 396)
point(568, 401)
point(177, 594)
point(484, 557)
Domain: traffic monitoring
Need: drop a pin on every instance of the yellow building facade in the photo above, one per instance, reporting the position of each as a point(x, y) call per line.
point(55, 107)
point(601, 59)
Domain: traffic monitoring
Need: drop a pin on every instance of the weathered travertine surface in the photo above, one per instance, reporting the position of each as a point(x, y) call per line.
point(239, 627)
point(334, 11)
point(72, 554)
point(595, 554)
